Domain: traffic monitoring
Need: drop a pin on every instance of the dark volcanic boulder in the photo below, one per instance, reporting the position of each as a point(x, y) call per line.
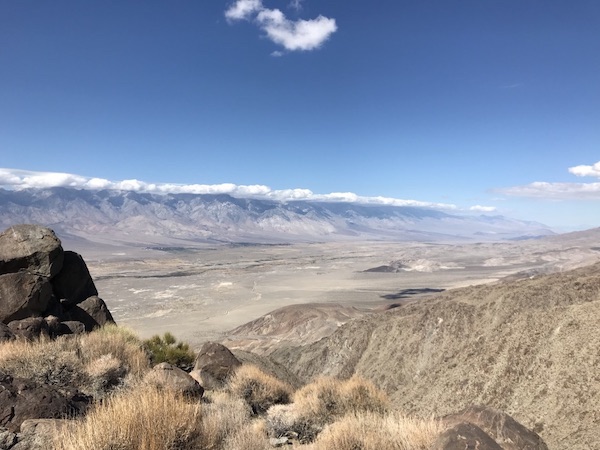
point(22, 295)
point(6, 334)
point(465, 436)
point(23, 399)
point(72, 327)
point(214, 364)
point(30, 328)
point(92, 312)
point(505, 430)
point(32, 248)
point(73, 284)
point(167, 376)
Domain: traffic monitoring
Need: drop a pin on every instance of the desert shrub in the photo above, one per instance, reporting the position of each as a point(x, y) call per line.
point(258, 389)
point(140, 419)
point(373, 431)
point(118, 342)
point(227, 423)
point(322, 402)
point(167, 349)
point(326, 399)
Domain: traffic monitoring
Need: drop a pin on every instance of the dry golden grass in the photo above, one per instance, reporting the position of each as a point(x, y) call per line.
point(372, 431)
point(258, 389)
point(94, 362)
point(141, 419)
point(326, 399)
point(323, 402)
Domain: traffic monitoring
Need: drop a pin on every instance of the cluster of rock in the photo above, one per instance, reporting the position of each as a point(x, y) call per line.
point(45, 290)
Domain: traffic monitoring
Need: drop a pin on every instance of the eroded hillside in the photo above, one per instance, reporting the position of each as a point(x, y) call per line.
point(529, 347)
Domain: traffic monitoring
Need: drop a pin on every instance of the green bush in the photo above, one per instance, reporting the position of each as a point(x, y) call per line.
point(167, 349)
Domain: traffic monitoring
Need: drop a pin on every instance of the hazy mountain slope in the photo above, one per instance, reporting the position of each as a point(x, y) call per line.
point(529, 347)
point(149, 218)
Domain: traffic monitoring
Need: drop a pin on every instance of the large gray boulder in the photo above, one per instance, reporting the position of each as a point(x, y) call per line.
point(214, 364)
point(38, 434)
point(23, 295)
point(92, 312)
point(32, 248)
point(465, 436)
point(505, 430)
point(167, 376)
point(73, 284)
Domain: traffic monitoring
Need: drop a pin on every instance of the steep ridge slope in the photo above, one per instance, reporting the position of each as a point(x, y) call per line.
point(529, 347)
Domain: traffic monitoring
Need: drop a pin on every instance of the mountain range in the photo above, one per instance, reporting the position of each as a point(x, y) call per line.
point(142, 218)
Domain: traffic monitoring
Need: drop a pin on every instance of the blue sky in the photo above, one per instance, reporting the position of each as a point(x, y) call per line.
point(453, 102)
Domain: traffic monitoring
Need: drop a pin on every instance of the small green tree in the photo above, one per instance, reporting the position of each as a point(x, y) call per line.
point(168, 349)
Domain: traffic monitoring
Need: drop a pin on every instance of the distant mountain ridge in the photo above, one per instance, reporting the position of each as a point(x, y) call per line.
point(155, 218)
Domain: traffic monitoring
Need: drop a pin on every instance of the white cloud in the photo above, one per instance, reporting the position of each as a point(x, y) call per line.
point(586, 171)
point(291, 35)
point(480, 208)
point(243, 9)
point(558, 191)
point(23, 179)
point(561, 191)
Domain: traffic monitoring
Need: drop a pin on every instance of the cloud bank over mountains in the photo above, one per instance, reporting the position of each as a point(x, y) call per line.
point(23, 179)
point(561, 191)
point(298, 35)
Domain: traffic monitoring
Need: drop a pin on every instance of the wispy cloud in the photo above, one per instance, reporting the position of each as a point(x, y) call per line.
point(561, 191)
point(479, 208)
point(23, 179)
point(293, 35)
point(296, 4)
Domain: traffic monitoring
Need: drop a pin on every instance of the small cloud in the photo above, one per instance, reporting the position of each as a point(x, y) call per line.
point(292, 35)
point(277, 53)
point(586, 171)
point(296, 4)
point(24, 179)
point(243, 9)
point(480, 208)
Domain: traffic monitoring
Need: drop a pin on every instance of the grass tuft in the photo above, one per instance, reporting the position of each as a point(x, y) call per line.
point(258, 389)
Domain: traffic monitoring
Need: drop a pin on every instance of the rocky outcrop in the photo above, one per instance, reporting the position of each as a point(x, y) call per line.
point(213, 365)
point(42, 286)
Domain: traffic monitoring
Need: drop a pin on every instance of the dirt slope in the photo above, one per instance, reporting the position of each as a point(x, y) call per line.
point(528, 347)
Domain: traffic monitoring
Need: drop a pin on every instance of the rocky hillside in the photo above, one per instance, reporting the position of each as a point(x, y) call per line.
point(529, 347)
point(132, 217)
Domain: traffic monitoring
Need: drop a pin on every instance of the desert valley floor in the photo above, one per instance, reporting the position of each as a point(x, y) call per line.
point(200, 292)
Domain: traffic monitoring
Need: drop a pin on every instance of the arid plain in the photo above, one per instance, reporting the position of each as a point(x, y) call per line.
point(200, 292)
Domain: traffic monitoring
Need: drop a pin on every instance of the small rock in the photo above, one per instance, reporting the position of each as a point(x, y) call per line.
point(23, 295)
point(92, 312)
point(279, 442)
point(31, 328)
